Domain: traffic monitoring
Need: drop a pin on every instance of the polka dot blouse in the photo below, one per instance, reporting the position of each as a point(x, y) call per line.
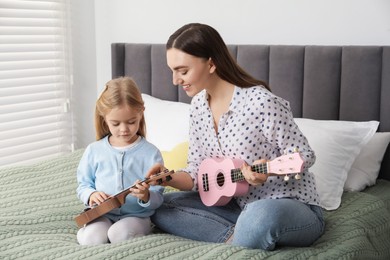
point(258, 125)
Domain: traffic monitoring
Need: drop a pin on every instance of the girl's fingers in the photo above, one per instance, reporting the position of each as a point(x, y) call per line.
point(97, 197)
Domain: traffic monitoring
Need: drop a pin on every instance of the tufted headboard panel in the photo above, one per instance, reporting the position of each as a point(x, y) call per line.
point(320, 82)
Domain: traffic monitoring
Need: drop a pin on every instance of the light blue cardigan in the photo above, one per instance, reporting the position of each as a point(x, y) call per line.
point(104, 168)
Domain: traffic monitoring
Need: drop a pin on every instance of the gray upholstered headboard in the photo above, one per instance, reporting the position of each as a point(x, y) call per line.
point(321, 82)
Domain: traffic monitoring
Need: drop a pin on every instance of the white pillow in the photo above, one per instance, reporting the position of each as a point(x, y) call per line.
point(366, 167)
point(336, 144)
point(167, 122)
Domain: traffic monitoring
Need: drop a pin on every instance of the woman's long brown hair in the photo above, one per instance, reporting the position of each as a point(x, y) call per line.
point(203, 41)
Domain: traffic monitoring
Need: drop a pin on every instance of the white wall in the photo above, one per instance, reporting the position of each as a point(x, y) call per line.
point(302, 22)
point(84, 70)
point(326, 22)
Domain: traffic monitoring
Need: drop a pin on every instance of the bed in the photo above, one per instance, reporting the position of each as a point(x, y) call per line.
point(338, 95)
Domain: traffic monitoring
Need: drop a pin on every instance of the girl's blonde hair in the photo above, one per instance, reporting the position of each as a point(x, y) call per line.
point(118, 92)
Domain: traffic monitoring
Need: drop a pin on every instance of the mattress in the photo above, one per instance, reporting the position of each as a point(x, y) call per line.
point(39, 203)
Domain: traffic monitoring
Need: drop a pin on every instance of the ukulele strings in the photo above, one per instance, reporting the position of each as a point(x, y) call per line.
point(154, 177)
point(236, 175)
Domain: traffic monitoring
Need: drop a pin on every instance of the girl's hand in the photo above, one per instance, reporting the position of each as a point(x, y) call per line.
point(97, 197)
point(251, 177)
point(141, 191)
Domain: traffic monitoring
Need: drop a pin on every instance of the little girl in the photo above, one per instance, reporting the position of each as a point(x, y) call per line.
point(117, 160)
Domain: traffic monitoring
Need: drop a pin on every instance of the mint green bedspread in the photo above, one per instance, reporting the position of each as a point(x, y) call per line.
point(38, 205)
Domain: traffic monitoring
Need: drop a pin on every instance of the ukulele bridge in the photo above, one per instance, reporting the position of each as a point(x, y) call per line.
point(205, 182)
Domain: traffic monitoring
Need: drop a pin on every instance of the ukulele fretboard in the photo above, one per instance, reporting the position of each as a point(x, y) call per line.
point(236, 174)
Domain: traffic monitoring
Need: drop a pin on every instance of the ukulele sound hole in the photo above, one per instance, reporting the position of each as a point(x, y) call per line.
point(220, 179)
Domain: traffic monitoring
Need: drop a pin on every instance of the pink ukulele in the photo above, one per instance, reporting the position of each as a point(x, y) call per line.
point(221, 179)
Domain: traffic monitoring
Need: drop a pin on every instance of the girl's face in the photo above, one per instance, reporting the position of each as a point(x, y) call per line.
point(123, 122)
point(192, 73)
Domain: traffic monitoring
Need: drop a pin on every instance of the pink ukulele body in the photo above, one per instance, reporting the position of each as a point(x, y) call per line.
point(221, 186)
point(220, 179)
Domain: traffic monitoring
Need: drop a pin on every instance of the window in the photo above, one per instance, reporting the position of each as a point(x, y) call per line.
point(35, 81)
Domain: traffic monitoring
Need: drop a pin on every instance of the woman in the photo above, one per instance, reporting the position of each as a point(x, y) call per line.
point(234, 115)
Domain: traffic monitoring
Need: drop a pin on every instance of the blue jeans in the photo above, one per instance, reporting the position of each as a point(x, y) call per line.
point(262, 224)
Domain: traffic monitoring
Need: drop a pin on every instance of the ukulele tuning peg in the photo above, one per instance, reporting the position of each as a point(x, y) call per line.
point(297, 176)
point(286, 178)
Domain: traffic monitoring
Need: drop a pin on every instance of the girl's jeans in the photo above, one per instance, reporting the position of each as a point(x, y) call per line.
point(262, 224)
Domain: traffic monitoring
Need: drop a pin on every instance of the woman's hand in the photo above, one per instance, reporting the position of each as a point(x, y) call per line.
point(157, 168)
point(140, 191)
point(178, 180)
point(97, 197)
point(251, 177)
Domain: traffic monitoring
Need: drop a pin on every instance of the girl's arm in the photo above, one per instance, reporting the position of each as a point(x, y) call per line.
point(85, 178)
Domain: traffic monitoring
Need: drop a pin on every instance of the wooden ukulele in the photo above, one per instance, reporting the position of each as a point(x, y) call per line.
point(221, 179)
point(115, 201)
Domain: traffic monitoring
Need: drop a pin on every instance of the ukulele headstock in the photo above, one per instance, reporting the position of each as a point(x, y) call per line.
point(286, 165)
point(161, 177)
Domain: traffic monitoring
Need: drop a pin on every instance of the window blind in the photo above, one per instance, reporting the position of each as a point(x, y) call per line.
point(35, 81)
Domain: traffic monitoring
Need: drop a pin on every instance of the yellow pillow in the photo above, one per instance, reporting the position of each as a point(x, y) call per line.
point(177, 157)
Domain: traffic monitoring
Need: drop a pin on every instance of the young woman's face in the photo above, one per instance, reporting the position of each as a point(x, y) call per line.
point(123, 122)
point(190, 72)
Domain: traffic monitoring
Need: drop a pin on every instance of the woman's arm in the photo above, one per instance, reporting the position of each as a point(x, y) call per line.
point(180, 180)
